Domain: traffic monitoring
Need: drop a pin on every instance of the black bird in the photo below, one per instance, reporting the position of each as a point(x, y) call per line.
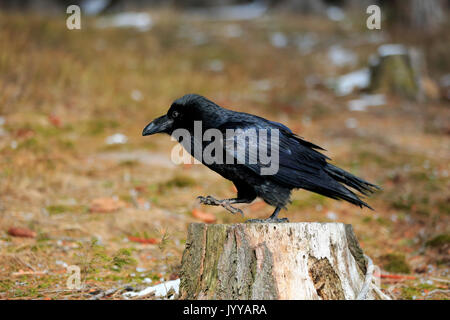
point(300, 164)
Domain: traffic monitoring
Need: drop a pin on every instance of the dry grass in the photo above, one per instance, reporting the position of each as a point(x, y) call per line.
point(63, 92)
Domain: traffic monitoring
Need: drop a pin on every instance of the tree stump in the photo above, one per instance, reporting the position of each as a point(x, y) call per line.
point(397, 70)
point(272, 261)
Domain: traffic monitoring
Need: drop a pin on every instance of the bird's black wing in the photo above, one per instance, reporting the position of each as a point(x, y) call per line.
point(299, 163)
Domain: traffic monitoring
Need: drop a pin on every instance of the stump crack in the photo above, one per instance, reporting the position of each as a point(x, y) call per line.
point(203, 254)
point(326, 281)
point(355, 249)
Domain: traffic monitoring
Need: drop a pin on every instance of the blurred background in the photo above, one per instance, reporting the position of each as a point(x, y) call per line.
point(79, 185)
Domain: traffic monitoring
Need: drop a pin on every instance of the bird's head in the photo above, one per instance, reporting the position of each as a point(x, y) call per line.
point(182, 114)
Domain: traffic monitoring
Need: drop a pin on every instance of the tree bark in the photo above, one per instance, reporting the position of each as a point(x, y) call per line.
point(272, 261)
point(423, 16)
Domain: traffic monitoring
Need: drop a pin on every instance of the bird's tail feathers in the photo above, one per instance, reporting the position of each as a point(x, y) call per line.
point(350, 180)
point(337, 186)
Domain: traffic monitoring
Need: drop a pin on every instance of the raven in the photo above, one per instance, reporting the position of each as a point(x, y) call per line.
point(300, 164)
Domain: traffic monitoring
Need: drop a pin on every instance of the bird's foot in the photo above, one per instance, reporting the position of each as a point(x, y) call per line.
point(211, 201)
point(268, 220)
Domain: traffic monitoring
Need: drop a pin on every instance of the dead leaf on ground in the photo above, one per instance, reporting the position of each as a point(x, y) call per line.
point(143, 240)
point(106, 205)
point(21, 232)
point(54, 120)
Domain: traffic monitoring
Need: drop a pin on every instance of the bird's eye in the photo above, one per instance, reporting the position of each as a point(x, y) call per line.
point(175, 114)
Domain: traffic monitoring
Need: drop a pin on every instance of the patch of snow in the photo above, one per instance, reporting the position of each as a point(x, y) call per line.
point(248, 11)
point(136, 95)
point(138, 20)
point(279, 40)
point(340, 56)
point(262, 85)
point(199, 38)
point(335, 13)
point(306, 42)
point(366, 100)
point(61, 263)
point(233, 31)
point(159, 290)
point(357, 79)
point(332, 215)
point(147, 280)
point(93, 7)
point(215, 65)
point(392, 50)
point(351, 123)
point(117, 138)
point(196, 36)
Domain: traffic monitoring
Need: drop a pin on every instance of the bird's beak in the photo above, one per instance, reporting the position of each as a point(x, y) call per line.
point(161, 124)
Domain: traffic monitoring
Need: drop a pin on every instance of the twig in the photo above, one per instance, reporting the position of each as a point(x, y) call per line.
point(439, 280)
point(397, 276)
point(22, 262)
point(28, 273)
point(437, 291)
point(368, 283)
point(107, 292)
point(380, 293)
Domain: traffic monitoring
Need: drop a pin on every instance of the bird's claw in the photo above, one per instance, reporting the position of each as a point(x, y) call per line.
point(211, 201)
point(232, 209)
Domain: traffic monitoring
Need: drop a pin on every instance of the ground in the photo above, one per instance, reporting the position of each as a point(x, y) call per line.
point(120, 211)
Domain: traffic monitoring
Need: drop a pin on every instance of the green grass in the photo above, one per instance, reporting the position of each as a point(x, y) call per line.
point(395, 263)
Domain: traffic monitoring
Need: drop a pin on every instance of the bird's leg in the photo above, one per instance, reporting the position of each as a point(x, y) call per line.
point(272, 219)
point(226, 203)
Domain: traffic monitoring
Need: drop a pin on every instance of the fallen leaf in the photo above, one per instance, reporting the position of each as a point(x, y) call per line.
point(24, 133)
point(54, 120)
point(141, 188)
point(143, 240)
point(204, 216)
point(105, 205)
point(21, 232)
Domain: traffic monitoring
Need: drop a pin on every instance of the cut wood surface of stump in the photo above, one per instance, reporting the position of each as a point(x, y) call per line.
point(272, 261)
